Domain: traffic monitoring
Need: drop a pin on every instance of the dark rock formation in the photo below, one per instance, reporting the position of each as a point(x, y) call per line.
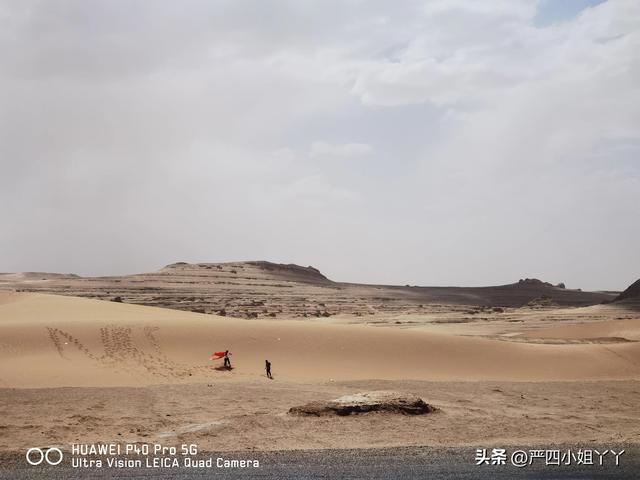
point(534, 282)
point(632, 292)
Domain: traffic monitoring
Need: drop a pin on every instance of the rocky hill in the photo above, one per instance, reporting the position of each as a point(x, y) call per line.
point(631, 294)
point(259, 289)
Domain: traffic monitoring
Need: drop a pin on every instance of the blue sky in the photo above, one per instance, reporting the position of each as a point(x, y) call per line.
point(554, 11)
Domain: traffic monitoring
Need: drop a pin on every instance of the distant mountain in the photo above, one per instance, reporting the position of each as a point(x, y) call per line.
point(289, 271)
point(260, 289)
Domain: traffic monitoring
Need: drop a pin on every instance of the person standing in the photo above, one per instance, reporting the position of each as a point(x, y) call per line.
point(227, 362)
point(267, 366)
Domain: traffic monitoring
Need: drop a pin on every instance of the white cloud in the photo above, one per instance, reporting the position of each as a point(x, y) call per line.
point(468, 52)
point(345, 150)
point(480, 148)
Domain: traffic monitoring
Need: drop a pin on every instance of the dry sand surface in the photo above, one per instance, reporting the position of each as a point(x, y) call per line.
point(141, 373)
point(58, 341)
point(252, 415)
point(621, 330)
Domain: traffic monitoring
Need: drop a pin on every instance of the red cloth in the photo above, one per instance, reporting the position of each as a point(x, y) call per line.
point(217, 355)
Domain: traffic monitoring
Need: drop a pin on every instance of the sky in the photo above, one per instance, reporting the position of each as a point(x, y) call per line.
point(424, 142)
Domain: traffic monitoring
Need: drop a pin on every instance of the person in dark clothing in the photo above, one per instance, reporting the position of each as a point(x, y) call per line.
point(227, 362)
point(267, 366)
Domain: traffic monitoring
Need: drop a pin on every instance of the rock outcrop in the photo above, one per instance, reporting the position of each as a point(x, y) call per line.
point(365, 402)
point(632, 292)
point(533, 282)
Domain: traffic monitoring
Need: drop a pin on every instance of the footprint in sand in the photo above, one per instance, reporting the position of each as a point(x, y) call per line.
point(119, 349)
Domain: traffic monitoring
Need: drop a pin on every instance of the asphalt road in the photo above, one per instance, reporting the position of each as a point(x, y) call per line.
point(385, 463)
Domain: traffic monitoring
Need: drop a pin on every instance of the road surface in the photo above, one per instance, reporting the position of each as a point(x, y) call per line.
point(385, 463)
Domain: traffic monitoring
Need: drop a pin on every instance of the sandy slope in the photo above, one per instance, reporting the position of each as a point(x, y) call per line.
point(158, 385)
point(48, 341)
point(627, 329)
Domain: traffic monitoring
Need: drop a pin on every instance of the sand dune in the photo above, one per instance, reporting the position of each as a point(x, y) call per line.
point(48, 341)
point(628, 329)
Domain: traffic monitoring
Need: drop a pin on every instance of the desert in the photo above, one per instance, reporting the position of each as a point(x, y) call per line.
point(310, 240)
point(87, 370)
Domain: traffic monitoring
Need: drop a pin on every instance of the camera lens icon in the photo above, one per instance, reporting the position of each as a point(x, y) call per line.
point(35, 456)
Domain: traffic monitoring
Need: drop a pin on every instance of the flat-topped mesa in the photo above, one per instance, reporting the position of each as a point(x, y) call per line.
point(292, 271)
point(279, 271)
